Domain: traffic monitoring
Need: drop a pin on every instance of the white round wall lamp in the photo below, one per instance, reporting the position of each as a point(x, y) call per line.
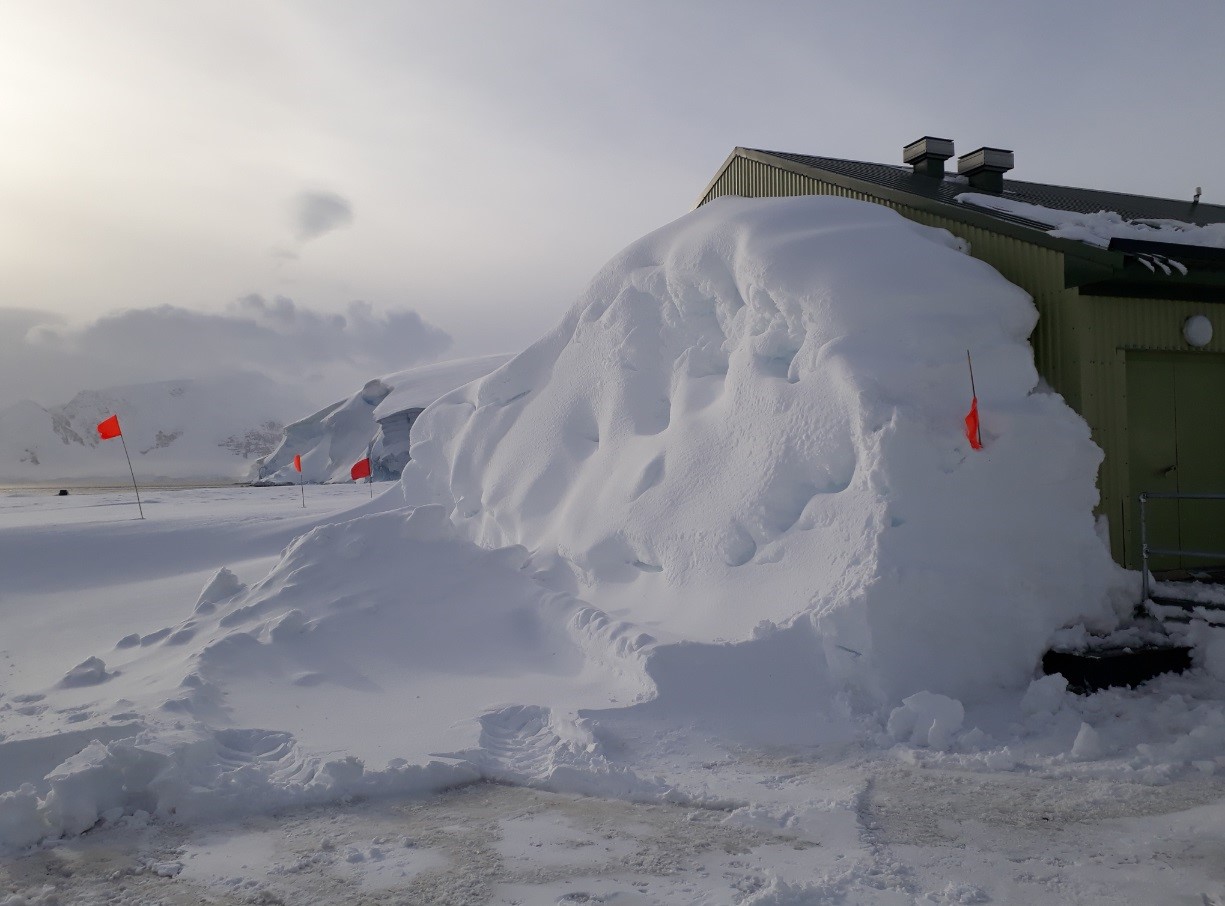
point(1197, 331)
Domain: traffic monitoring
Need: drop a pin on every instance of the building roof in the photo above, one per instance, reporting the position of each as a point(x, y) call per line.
point(1154, 247)
point(1112, 243)
point(1062, 198)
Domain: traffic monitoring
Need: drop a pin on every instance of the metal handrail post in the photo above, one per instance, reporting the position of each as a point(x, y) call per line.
point(1143, 550)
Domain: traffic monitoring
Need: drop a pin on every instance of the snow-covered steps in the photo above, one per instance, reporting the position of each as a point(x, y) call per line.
point(1184, 610)
point(1191, 596)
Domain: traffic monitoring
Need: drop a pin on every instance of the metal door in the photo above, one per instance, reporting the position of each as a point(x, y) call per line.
point(1176, 444)
point(1153, 455)
point(1199, 405)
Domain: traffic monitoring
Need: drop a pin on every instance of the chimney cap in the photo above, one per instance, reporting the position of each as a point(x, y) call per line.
point(927, 147)
point(990, 160)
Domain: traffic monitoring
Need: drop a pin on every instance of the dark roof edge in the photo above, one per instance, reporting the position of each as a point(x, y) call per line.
point(968, 216)
point(1198, 254)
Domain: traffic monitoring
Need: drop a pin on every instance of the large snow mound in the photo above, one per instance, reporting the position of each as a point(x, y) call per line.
point(755, 415)
point(728, 504)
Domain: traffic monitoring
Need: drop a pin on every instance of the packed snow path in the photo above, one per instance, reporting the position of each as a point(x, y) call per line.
point(915, 836)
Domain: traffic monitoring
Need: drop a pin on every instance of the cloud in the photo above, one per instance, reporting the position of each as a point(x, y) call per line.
point(317, 213)
point(327, 354)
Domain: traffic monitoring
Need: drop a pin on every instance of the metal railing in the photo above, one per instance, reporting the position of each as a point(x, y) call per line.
point(1145, 550)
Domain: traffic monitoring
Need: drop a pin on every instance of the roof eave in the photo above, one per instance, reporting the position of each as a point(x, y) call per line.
point(1208, 256)
point(1137, 282)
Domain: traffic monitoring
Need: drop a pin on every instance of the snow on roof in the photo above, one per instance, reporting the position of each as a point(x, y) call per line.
point(1100, 227)
point(418, 387)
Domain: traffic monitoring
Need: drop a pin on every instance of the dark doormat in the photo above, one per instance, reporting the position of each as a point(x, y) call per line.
point(1089, 671)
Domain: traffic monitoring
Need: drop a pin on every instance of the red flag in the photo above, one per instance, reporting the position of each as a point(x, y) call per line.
point(973, 432)
point(108, 428)
point(361, 469)
point(297, 461)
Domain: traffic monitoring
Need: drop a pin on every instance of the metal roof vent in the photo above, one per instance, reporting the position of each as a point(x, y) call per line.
point(986, 168)
point(928, 155)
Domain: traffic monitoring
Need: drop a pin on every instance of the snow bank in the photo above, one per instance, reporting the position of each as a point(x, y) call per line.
point(332, 439)
point(418, 387)
point(755, 414)
point(207, 429)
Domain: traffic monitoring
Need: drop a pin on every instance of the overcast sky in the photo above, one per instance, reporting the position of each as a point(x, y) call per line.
point(464, 169)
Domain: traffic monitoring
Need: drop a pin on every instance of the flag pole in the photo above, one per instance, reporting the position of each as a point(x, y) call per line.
point(974, 395)
point(133, 471)
point(370, 477)
point(297, 464)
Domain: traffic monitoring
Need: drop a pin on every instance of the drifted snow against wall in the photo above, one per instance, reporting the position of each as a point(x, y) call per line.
point(752, 419)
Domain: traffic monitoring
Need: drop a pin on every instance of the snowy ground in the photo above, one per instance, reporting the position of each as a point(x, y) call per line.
point(854, 819)
point(917, 837)
point(715, 554)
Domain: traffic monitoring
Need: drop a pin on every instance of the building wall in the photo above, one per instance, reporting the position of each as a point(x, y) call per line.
point(1113, 326)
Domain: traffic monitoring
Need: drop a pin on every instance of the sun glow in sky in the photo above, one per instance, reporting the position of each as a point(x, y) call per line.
point(491, 156)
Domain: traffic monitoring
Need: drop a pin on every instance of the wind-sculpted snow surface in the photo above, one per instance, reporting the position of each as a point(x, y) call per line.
point(755, 415)
point(372, 644)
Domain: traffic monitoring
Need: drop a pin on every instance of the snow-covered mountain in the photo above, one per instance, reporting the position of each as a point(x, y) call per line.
point(204, 429)
point(335, 437)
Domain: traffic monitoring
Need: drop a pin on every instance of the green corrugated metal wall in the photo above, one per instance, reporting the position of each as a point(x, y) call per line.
point(1080, 343)
point(1113, 327)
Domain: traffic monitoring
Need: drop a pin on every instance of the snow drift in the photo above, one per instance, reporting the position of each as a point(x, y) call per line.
point(730, 488)
point(332, 439)
point(755, 415)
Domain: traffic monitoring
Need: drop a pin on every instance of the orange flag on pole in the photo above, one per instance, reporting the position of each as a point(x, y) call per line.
point(297, 464)
point(973, 432)
point(361, 469)
point(109, 427)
